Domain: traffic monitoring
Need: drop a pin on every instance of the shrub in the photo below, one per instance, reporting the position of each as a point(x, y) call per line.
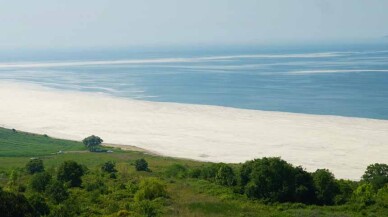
point(150, 188)
point(225, 176)
point(141, 165)
point(176, 170)
point(364, 195)
point(39, 205)
point(325, 185)
point(12, 205)
point(40, 181)
point(57, 192)
point(34, 166)
point(71, 172)
point(109, 167)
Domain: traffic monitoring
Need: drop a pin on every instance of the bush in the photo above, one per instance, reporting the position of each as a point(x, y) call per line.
point(34, 166)
point(141, 165)
point(150, 188)
point(176, 170)
point(109, 167)
point(57, 192)
point(364, 195)
point(71, 172)
point(39, 205)
point(147, 208)
point(40, 181)
point(326, 186)
point(12, 205)
point(225, 176)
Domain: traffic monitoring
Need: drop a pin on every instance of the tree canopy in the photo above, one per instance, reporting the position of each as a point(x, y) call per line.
point(71, 172)
point(92, 142)
point(35, 166)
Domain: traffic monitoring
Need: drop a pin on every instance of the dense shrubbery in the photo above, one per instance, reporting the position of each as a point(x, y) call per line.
point(34, 166)
point(71, 172)
point(61, 191)
point(275, 180)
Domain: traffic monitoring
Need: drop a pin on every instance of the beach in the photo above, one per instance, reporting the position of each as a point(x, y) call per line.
point(344, 145)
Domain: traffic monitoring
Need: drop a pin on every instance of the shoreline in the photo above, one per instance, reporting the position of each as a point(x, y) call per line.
point(343, 145)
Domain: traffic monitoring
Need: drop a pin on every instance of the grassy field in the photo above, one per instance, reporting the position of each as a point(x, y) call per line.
point(187, 197)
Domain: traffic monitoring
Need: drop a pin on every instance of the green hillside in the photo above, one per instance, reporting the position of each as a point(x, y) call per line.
point(110, 184)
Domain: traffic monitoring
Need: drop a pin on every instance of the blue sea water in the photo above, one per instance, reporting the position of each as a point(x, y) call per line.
point(345, 80)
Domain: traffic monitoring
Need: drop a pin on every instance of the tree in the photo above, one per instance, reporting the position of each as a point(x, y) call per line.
point(39, 205)
point(109, 167)
point(304, 187)
point(57, 191)
point(225, 176)
point(345, 191)
point(326, 186)
point(71, 171)
point(40, 181)
point(377, 175)
point(270, 179)
point(141, 165)
point(364, 195)
point(92, 142)
point(15, 205)
point(35, 166)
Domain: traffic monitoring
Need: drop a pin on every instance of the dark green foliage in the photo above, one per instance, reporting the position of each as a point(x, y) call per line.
point(209, 172)
point(40, 206)
point(345, 191)
point(40, 181)
point(92, 142)
point(176, 170)
point(271, 179)
point(326, 186)
point(304, 187)
point(225, 176)
point(377, 175)
point(71, 172)
point(141, 165)
point(15, 205)
point(35, 166)
point(57, 191)
point(109, 167)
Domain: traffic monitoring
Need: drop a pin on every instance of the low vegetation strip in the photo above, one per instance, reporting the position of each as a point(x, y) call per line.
point(43, 176)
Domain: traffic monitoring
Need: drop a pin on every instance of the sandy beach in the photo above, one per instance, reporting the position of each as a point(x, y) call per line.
point(207, 133)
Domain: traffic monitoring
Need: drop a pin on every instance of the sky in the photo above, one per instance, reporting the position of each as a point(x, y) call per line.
point(107, 23)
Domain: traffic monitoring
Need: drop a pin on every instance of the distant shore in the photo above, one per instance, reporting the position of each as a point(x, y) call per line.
point(207, 133)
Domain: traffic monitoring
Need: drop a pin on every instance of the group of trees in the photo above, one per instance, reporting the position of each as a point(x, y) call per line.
point(50, 192)
point(275, 180)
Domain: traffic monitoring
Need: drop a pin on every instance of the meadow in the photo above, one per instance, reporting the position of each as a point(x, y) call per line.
point(168, 187)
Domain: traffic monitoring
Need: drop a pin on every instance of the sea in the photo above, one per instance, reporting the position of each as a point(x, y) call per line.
point(325, 79)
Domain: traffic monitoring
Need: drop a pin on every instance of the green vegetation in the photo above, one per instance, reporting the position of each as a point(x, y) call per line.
point(92, 142)
point(141, 165)
point(38, 180)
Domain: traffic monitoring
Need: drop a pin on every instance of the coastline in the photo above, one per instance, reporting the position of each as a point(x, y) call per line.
point(199, 132)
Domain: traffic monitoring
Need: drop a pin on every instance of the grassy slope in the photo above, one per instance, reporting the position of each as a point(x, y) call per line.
point(190, 197)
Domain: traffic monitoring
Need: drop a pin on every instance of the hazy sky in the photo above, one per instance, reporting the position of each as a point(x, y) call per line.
point(112, 23)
